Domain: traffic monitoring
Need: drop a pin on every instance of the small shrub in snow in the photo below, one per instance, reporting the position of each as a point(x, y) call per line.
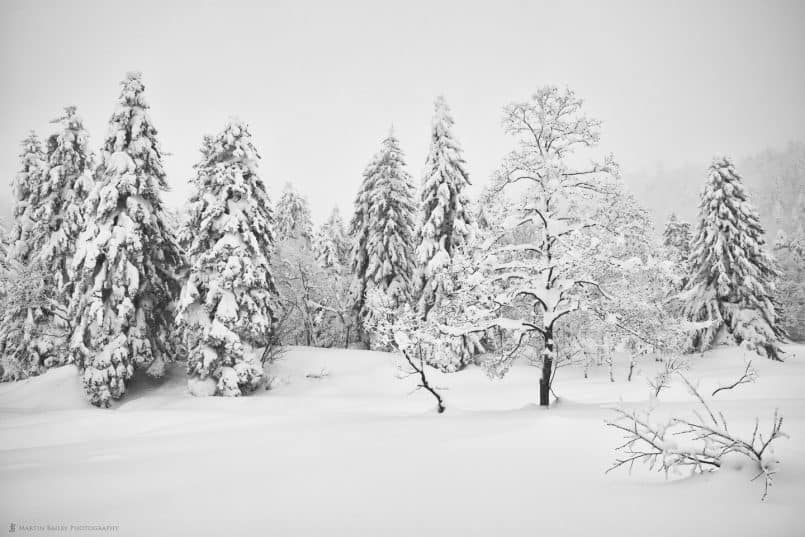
point(664, 376)
point(403, 330)
point(700, 443)
point(322, 373)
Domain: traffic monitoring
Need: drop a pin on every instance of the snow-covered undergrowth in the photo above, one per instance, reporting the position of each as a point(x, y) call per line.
point(338, 447)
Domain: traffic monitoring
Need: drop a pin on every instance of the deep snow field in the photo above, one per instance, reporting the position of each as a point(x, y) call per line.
point(353, 454)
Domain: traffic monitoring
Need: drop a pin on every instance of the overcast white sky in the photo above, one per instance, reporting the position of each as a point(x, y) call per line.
point(320, 83)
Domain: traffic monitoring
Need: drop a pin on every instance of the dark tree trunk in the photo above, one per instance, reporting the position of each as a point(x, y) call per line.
point(547, 368)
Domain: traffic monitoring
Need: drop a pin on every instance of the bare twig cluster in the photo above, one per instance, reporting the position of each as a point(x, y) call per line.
point(700, 443)
point(662, 379)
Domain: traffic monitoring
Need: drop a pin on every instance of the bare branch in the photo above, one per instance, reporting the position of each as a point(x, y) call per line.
point(749, 376)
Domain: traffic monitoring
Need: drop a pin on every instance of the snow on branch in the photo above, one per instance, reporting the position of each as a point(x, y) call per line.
point(702, 443)
point(662, 379)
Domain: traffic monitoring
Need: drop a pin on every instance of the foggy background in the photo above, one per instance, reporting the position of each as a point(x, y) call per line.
point(320, 84)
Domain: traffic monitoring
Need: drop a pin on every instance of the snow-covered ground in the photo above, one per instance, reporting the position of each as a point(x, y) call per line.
point(352, 454)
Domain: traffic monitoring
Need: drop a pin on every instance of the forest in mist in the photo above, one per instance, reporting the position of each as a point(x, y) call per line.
point(774, 178)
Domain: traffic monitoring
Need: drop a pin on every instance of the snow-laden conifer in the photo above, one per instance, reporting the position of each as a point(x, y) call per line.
point(677, 241)
point(677, 235)
point(125, 267)
point(25, 191)
point(331, 243)
point(228, 303)
point(66, 184)
point(26, 296)
point(445, 221)
point(382, 228)
point(3, 250)
point(732, 275)
point(293, 216)
point(65, 187)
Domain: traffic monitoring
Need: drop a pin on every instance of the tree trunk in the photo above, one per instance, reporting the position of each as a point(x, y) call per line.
point(346, 339)
point(547, 368)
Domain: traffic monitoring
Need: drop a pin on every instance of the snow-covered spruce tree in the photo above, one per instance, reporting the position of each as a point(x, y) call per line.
point(21, 340)
point(293, 216)
point(228, 303)
point(732, 276)
point(25, 190)
point(331, 244)
point(125, 267)
point(66, 186)
point(331, 247)
point(677, 241)
point(382, 229)
point(677, 235)
point(57, 222)
point(3, 250)
point(789, 250)
point(445, 222)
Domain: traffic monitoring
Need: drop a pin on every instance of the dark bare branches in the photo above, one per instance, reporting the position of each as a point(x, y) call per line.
point(418, 368)
point(749, 376)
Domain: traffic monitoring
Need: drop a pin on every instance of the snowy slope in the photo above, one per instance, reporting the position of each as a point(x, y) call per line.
point(352, 454)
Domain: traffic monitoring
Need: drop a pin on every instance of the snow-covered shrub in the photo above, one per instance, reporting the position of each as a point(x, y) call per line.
point(307, 271)
point(302, 285)
point(701, 442)
point(461, 314)
point(228, 303)
point(402, 330)
point(29, 344)
point(663, 378)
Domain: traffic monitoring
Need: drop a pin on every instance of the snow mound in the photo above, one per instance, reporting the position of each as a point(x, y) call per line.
point(56, 389)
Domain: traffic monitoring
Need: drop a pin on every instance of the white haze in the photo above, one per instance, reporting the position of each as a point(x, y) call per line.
point(321, 84)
